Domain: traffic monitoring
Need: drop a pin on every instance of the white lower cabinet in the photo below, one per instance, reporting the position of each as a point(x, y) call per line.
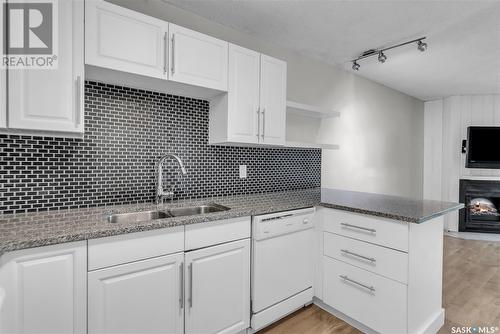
point(218, 288)
point(384, 274)
point(139, 297)
point(375, 301)
point(44, 290)
point(147, 283)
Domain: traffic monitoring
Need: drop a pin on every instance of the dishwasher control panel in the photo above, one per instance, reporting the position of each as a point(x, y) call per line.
point(274, 224)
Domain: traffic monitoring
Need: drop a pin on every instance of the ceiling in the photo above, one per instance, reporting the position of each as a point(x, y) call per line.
point(463, 36)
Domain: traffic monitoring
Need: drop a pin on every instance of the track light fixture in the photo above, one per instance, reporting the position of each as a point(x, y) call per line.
point(421, 46)
point(382, 57)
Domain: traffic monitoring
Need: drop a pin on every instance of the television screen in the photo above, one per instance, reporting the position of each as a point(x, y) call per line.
point(483, 150)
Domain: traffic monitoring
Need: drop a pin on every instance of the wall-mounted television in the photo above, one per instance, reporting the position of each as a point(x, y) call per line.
point(483, 147)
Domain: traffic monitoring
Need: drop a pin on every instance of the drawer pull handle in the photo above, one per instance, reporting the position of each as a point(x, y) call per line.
point(165, 40)
point(372, 230)
point(173, 54)
point(181, 292)
point(190, 299)
point(371, 259)
point(345, 278)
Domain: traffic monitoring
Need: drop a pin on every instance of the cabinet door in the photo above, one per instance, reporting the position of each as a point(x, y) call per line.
point(52, 99)
point(125, 40)
point(3, 78)
point(45, 290)
point(197, 59)
point(218, 288)
point(272, 100)
point(138, 297)
point(243, 95)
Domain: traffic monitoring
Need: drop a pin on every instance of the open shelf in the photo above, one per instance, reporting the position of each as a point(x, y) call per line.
point(304, 145)
point(302, 109)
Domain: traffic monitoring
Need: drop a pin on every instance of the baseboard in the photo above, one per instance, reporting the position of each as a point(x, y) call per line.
point(474, 236)
point(342, 316)
point(434, 324)
point(276, 312)
point(432, 327)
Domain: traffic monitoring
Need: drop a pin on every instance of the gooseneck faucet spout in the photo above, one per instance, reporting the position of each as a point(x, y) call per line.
point(160, 191)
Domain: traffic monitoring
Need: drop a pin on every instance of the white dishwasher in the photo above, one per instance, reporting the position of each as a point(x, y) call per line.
point(282, 264)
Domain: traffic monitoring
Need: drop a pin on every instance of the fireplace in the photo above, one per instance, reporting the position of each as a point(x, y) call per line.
point(482, 206)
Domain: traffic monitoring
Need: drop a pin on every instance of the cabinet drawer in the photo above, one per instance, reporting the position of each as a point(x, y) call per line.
point(377, 259)
point(373, 300)
point(216, 232)
point(380, 231)
point(111, 251)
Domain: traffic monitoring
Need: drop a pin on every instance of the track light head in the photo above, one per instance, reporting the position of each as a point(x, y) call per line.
point(421, 46)
point(355, 65)
point(382, 57)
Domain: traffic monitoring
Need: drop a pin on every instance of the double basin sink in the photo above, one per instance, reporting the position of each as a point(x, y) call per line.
point(139, 216)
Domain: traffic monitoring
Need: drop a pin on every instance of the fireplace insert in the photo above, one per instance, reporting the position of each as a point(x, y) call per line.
point(482, 206)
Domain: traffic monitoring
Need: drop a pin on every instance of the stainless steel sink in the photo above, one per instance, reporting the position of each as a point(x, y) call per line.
point(139, 216)
point(197, 210)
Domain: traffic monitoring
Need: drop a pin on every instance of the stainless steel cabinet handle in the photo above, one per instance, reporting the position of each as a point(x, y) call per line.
point(359, 227)
point(345, 278)
point(263, 122)
point(165, 39)
point(181, 294)
point(258, 122)
point(190, 285)
point(345, 251)
point(78, 96)
point(173, 53)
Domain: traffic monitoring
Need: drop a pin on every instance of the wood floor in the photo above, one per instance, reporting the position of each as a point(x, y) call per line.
point(471, 293)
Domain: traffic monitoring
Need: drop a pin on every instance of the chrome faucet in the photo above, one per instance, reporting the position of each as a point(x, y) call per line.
point(160, 192)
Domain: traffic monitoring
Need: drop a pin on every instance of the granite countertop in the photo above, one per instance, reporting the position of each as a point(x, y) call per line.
point(392, 207)
point(19, 231)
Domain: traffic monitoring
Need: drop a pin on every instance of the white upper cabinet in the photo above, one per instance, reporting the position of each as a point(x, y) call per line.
point(243, 95)
point(218, 289)
point(125, 40)
point(52, 99)
point(197, 59)
point(273, 100)
point(3, 97)
point(254, 109)
point(45, 290)
point(3, 79)
point(138, 297)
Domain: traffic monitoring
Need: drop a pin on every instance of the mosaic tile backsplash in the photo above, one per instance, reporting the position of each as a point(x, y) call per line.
point(126, 131)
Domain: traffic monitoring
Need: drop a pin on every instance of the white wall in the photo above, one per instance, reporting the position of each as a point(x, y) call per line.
point(446, 123)
point(380, 130)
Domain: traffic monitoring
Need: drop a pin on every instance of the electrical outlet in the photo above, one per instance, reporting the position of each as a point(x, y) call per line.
point(243, 171)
